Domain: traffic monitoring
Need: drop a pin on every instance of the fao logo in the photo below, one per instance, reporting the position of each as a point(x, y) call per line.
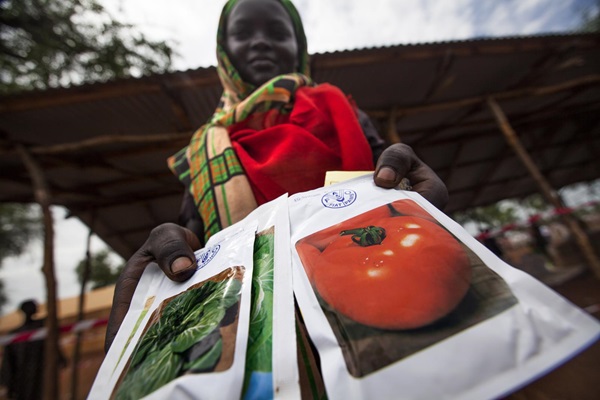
point(207, 255)
point(339, 198)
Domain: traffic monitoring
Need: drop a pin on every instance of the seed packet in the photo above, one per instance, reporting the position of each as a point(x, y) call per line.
point(401, 302)
point(186, 340)
point(271, 369)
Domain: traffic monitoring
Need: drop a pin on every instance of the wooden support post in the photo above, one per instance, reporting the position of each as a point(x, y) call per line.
point(548, 192)
point(85, 276)
point(51, 351)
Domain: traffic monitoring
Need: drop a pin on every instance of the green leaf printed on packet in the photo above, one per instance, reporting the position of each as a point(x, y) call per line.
point(259, 353)
point(147, 305)
point(182, 336)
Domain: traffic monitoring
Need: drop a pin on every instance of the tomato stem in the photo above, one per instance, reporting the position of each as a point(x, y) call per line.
point(367, 236)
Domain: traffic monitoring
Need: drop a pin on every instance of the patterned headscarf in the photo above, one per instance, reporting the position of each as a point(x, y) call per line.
point(208, 165)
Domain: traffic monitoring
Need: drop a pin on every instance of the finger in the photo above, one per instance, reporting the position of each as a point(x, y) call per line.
point(426, 182)
point(171, 246)
point(394, 164)
point(399, 161)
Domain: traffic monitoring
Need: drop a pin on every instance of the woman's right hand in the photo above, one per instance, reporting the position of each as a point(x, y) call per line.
point(172, 248)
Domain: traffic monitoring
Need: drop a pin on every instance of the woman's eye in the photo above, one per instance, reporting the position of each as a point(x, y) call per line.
point(240, 33)
point(280, 34)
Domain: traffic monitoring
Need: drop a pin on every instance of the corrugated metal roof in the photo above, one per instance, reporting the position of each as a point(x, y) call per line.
point(547, 85)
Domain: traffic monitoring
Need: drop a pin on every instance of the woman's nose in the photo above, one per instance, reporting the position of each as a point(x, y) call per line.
point(260, 39)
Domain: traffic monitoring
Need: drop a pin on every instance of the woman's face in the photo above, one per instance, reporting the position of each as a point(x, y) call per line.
point(260, 40)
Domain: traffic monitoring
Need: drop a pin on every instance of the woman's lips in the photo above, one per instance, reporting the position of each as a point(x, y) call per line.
point(261, 62)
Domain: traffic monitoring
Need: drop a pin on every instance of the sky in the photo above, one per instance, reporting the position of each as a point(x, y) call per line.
point(331, 25)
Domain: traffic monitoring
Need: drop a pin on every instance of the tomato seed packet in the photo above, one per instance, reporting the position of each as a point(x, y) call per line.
point(401, 302)
point(186, 340)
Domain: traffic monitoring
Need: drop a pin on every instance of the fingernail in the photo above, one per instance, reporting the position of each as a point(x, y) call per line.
point(181, 264)
point(386, 174)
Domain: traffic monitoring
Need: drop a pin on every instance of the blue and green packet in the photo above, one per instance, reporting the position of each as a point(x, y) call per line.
point(271, 367)
point(228, 332)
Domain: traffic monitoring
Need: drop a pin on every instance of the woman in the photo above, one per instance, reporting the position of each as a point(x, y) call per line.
point(274, 131)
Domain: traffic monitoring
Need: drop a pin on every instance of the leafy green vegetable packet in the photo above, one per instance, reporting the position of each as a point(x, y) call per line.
point(186, 338)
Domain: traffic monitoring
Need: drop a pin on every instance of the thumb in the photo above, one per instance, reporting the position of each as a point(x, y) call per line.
point(172, 248)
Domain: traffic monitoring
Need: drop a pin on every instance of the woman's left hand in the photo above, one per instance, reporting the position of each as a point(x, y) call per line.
point(400, 161)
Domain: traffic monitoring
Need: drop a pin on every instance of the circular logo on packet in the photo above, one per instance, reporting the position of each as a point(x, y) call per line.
point(207, 255)
point(339, 198)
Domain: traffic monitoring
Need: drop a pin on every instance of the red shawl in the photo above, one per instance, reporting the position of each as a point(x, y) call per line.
point(291, 153)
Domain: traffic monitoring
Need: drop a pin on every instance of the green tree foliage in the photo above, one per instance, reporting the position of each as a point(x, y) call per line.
point(19, 224)
point(102, 270)
point(492, 216)
point(591, 18)
point(518, 210)
point(51, 43)
point(504, 212)
point(534, 204)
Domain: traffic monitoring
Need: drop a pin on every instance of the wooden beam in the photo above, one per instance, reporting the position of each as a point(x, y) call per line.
point(514, 179)
point(120, 88)
point(589, 80)
point(545, 117)
point(183, 120)
point(491, 130)
point(441, 80)
point(347, 59)
point(565, 145)
point(547, 191)
point(434, 133)
point(86, 144)
point(101, 204)
point(51, 350)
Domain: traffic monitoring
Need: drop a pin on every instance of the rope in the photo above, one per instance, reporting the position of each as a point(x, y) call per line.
point(39, 334)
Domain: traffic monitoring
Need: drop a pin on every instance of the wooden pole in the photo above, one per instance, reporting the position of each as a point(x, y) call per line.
point(85, 275)
point(93, 142)
point(548, 192)
point(51, 351)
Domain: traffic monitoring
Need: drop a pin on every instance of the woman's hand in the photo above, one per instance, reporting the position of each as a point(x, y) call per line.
point(172, 248)
point(400, 161)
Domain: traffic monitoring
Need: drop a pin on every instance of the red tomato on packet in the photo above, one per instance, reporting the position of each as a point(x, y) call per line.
point(399, 272)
